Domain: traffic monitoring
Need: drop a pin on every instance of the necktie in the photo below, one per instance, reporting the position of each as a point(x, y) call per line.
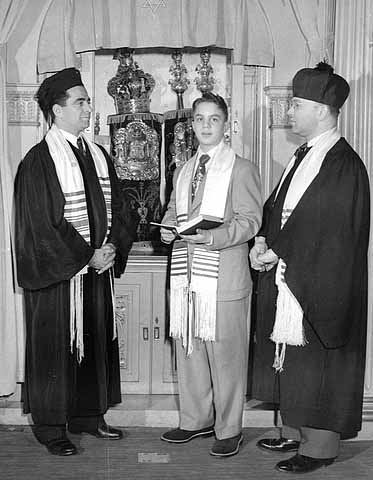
point(299, 154)
point(278, 204)
point(80, 145)
point(200, 173)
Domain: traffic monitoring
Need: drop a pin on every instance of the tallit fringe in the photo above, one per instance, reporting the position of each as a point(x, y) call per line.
point(204, 300)
point(179, 301)
point(76, 316)
point(288, 328)
point(112, 291)
point(279, 359)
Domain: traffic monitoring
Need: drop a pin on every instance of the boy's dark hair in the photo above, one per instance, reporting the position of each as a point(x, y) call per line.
point(209, 97)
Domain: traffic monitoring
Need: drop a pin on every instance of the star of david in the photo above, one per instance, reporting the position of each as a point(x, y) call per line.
point(154, 4)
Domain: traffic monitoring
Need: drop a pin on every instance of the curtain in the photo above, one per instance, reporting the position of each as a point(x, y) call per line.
point(239, 25)
point(354, 61)
point(11, 312)
point(306, 15)
point(56, 49)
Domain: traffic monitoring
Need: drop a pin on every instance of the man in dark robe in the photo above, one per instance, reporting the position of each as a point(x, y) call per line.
point(311, 253)
point(73, 231)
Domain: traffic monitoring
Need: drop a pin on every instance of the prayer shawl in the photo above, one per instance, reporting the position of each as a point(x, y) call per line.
point(75, 212)
point(194, 291)
point(288, 327)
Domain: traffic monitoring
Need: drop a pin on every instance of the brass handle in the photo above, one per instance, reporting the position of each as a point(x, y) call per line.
point(156, 333)
point(145, 333)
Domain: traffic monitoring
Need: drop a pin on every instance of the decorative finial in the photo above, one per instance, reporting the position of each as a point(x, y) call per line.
point(180, 81)
point(97, 124)
point(205, 82)
point(131, 87)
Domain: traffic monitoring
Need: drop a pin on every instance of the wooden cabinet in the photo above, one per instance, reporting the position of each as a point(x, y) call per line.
point(147, 356)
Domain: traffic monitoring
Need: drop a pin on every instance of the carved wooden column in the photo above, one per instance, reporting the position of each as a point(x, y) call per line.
point(354, 61)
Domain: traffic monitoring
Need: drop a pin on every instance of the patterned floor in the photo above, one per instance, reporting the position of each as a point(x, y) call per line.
point(141, 455)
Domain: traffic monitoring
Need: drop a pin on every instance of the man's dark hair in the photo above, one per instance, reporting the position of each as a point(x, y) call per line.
point(209, 97)
point(46, 102)
point(54, 90)
point(334, 111)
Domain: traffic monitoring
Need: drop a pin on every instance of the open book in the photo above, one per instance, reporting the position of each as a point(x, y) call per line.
point(203, 222)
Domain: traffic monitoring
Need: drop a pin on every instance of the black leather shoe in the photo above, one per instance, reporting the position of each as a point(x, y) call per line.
point(302, 464)
point(281, 445)
point(62, 447)
point(105, 432)
point(178, 435)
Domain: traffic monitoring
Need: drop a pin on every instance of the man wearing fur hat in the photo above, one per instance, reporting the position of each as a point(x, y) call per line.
point(311, 253)
point(73, 232)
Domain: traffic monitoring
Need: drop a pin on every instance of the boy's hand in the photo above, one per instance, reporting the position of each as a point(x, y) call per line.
point(201, 237)
point(167, 236)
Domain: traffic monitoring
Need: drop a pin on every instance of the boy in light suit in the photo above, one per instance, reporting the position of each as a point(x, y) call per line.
point(210, 282)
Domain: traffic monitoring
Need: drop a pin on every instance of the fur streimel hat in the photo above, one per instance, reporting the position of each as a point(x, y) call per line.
point(321, 85)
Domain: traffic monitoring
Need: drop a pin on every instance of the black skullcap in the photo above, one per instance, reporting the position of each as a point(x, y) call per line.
point(321, 85)
point(55, 86)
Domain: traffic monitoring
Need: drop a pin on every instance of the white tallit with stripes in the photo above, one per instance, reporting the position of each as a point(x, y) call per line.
point(194, 290)
point(75, 212)
point(288, 328)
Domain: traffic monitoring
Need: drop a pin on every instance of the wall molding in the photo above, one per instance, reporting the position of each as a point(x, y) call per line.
point(22, 107)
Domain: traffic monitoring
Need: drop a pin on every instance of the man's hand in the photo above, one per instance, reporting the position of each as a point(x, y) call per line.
point(259, 248)
point(109, 247)
point(102, 259)
point(167, 235)
point(202, 236)
point(269, 259)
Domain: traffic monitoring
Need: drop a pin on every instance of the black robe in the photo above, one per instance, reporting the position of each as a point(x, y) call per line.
point(49, 253)
point(324, 245)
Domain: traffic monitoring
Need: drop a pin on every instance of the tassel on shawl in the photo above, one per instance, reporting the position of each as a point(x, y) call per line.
point(288, 328)
point(76, 316)
point(179, 308)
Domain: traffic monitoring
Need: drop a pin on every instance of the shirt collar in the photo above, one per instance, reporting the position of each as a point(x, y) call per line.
point(210, 152)
point(315, 140)
point(70, 137)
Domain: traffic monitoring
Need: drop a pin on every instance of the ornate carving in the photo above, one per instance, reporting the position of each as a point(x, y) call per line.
point(97, 123)
point(279, 98)
point(205, 82)
point(22, 107)
point(135, 152)
point(180, 81)
point(182, 147)
point(180, 143)
point(144, 199)
point(131, 87)
point(121, 317)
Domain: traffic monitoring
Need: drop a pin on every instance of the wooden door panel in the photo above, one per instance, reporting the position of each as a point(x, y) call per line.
point(133, 326)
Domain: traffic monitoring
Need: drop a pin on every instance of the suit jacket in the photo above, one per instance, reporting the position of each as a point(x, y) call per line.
point(242, 219)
